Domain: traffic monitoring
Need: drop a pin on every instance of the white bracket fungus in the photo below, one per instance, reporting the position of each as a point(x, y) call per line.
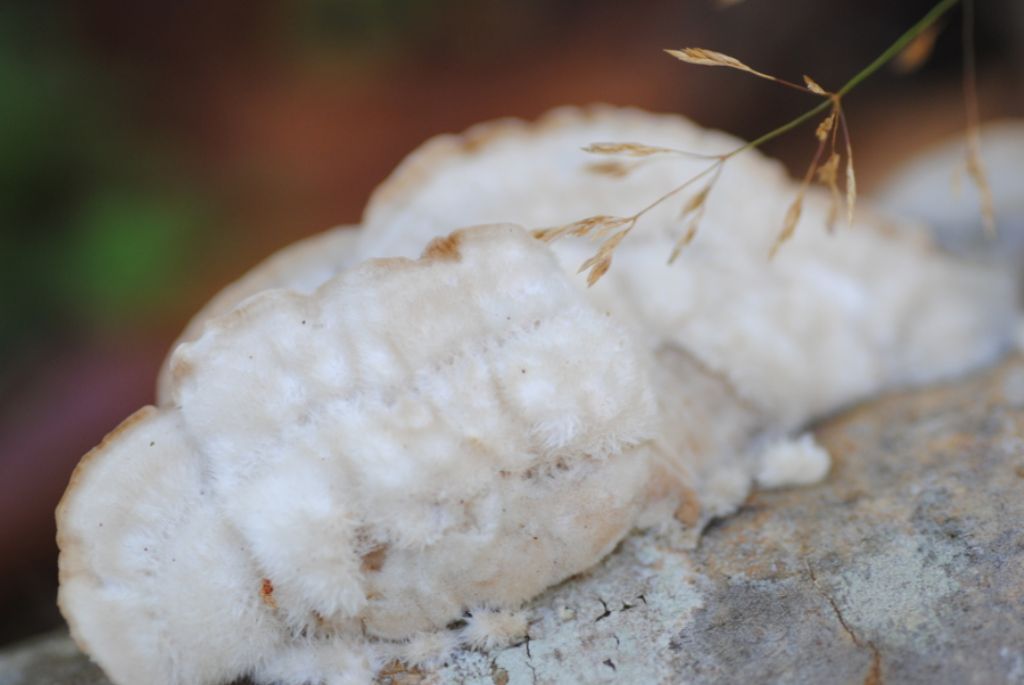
point(413, 440)
point(347, 459)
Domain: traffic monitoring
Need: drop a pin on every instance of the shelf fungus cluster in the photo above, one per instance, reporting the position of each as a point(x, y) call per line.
point(359, 456)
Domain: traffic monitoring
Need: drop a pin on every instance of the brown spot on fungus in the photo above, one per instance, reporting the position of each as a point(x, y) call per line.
point(444, 248)
point(267, 593)
point(688, 511)
point(374, 560)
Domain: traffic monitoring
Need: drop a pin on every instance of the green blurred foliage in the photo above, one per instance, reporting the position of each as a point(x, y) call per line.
point(93, 231)
point(127, 252)
point(380, 24)
point(374, 32)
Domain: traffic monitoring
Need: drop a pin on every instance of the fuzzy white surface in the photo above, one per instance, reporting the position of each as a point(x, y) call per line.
point(744, 345)
point(410, 441)
point(302, 266)
point(934, 187)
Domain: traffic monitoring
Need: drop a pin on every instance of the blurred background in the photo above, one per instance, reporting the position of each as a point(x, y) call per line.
point(151, 152)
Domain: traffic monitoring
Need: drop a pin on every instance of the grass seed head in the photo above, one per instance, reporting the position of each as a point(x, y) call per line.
point(710, 58)
point(828, 174)
point(826, 126)
point(789, 224)
point(600, 223)
point(628, 149)
point(598, 267)
point(851, 184)
point(696, 202)
point(687, 237)
point(599, 264)
point(813, 86)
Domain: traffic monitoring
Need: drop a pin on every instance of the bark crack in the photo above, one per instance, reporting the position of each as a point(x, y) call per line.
point(529, 662)
point(874, 676)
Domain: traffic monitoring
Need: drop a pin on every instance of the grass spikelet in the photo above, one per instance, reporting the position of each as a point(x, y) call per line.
point(796, 207)
point(813, 86)
point(695, 207)
point(710, 58)
point(628, 149)
point(599, 264)
point(789, 224)
point(696, 202)
point(851, 177)
point(598, 270)
point(826, 126)
point(601, 222)
point(827, 175)
point(687, 237)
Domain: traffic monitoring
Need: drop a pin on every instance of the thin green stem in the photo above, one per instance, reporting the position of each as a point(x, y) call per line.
point(678, 189)
point(898, 45)
point(903, 41)
point(788, 126)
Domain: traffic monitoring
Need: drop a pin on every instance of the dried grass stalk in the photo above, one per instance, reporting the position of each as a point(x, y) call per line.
point(976, 170)
point(975, 167)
